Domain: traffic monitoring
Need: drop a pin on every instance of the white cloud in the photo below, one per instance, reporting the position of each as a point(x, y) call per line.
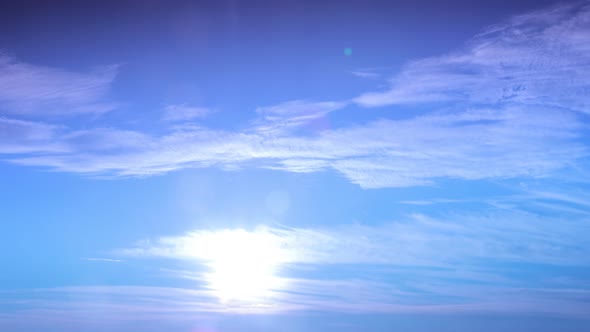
point(111, 305)
point(17, 136)
point(27, 89)
point(184, 113)
point(420, 265)
point(94, 259)
point(385, 153)
point(515, 92)
point(459, 263)
point(418, 240)
point(106, 139)
point(537, 59)
point(365, 74)
point(284, 117)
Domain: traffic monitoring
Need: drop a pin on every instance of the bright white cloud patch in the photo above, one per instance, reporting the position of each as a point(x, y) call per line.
point(242, 265)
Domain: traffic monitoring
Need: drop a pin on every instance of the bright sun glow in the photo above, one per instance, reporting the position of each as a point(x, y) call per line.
point(243, 264)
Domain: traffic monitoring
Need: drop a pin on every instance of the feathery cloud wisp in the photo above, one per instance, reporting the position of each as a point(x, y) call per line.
point(27, 89)
point(183, 112)
point(540, 58)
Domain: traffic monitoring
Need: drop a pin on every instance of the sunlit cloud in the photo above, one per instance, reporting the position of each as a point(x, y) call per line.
point(516, 236)
point(384, 268)
point(243, 265)
point(508, 109)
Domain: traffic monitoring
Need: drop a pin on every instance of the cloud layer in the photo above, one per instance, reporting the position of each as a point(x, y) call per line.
point(385, 153)
point(418, 240)
point(512, 103)
point(497, 263)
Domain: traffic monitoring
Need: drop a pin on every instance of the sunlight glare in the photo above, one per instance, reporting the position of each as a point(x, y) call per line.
point(243, 264)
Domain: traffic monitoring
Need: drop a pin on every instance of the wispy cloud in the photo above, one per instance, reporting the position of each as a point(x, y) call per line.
point(432, 201)
point(17, 136)
point(106, 305)
point(540, 58)
point(365, 74)
point(422, 265)
point(460, 263)
point(27, 89)
point(284, 117)
point(418, 240)
point(94, 259)
point(513, 99)
point(385, 153)
point(105, 140)
point(184, 112)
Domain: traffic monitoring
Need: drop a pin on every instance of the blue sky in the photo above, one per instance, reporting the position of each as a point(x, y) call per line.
point(228, 166)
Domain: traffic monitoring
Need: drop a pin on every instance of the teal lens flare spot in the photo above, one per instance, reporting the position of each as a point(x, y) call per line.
point(348, 51)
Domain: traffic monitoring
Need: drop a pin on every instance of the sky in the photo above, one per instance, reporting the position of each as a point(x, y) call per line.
point(232, 166)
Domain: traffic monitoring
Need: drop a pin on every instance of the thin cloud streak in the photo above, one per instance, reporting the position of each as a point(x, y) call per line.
point(29, 90)
point(286, 117)
point(94, 259)
point(174, 113)
point(104, 304)
point(460, 264)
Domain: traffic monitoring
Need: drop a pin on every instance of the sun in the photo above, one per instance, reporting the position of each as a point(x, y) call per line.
point(242, 265)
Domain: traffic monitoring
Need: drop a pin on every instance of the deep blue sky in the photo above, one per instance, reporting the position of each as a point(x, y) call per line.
point(229, 166)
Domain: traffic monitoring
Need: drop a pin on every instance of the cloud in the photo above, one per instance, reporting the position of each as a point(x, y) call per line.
point(109, 306)
point(94, 259)
point(284, 117)
point(17, 136)
point(514, 106)
point(27, 89)
point(453, 264)
point(540, 58)
point(384, 153)
point(418, 240)
point(183, 112)
point(365, 74)
point(432, 201)
point(456, 265)
point(106, 139)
